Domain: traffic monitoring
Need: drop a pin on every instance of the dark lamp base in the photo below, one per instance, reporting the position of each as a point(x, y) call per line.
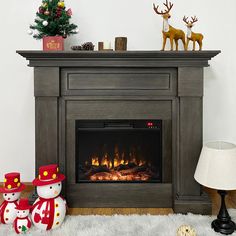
point(223, 224)
point(223, 227)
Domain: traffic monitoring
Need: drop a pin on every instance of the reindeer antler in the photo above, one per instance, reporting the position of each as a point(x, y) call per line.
point(185, 19)
point(168, 5)
point(194, 19)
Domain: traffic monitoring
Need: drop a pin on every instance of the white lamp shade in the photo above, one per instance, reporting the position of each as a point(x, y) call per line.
point(216, 167)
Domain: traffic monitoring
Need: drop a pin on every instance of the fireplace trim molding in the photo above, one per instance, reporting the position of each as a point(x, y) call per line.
point(182, 100)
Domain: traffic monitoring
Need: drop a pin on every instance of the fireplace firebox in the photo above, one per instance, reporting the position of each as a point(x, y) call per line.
point(124, 127)
point(119, 151)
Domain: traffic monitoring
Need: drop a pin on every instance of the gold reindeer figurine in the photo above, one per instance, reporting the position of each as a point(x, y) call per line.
point(195, 37)
point(168, 31)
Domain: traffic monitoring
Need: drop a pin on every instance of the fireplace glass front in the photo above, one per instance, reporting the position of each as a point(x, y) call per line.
point(118, 151)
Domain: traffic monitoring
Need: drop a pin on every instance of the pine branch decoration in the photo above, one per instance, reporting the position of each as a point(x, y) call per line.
point(52, 19)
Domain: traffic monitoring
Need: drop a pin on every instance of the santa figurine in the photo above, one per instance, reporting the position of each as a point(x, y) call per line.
point(22, 223)
point(49, 209)
point(11, 191)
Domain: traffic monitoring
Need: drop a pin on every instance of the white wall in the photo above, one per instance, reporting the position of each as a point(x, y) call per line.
point(102, 20)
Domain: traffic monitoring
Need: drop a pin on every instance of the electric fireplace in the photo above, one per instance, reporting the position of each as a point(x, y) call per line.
point(119, 151)
point(124, 127)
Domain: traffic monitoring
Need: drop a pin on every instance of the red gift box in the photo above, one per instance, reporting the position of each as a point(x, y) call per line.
point(53, 43)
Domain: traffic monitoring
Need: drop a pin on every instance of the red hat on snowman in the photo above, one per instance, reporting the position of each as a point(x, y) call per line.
point(23, 205)
point(12, 183)
point(48, 175)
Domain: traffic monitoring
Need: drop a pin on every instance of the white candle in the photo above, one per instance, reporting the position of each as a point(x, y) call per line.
point(107, 45)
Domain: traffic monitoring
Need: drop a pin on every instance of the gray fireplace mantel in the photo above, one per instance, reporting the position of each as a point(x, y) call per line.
point(73, 85)
point(128, 58)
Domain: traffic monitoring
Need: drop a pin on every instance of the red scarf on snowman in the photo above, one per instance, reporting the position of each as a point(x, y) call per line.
point(15, 223)
point(48, 214)
point(2, 209)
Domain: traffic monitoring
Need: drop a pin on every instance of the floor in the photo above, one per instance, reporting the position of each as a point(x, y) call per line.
point(230, 202)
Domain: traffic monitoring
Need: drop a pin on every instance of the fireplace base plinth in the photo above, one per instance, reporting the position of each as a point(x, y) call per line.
point(201, 205)
point(108, 195)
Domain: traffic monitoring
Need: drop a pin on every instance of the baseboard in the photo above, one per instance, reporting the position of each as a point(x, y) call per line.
point(119, 211)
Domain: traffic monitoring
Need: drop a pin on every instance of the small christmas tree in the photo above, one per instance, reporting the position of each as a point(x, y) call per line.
point(24, 229)
point(53, 20)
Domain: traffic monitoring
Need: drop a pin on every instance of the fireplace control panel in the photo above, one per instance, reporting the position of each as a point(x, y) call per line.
point(119, 124)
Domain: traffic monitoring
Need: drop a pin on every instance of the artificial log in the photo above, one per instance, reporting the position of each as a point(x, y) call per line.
point(124, 166)
point(120, 43)
point(117, 176)
point(134, 170)
point(101, 176)
point(96, 169)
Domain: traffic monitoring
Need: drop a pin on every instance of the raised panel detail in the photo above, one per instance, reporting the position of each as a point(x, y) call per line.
point(190, 82)
point(46, 81)
point(119, 81)
point(46, 126)
point(118, 110)
point(190, 145)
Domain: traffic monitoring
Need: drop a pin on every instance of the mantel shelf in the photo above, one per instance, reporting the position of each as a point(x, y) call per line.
point(121, 58)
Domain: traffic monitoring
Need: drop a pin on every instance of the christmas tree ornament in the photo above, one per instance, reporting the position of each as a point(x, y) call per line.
point(11, 191)
point(56, 15)
point(30, 32)
point(69, 12)
point(186, 230)
point(49, 209)
point(61, 4)
point(45, 23)
point(22, 222)
point(44, 5)
point(46, 13)
point(59, 12)
point(41, 10)
point(64, 35)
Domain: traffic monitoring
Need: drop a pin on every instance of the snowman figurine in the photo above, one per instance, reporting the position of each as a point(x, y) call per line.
point(49, 210)
point(11, 191)
point(22, 223)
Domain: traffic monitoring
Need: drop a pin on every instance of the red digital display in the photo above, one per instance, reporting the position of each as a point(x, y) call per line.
point(149, 124)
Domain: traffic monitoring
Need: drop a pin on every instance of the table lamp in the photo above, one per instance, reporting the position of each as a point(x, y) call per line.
point(216, 169)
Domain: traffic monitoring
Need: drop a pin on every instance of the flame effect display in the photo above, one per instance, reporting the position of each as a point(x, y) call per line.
point(119, 166)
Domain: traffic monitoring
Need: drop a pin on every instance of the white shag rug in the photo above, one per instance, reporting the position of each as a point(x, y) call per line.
point(131, 225)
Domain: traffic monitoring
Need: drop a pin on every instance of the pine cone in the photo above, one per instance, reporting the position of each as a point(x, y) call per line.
point(76, 48)
point(88, 46)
